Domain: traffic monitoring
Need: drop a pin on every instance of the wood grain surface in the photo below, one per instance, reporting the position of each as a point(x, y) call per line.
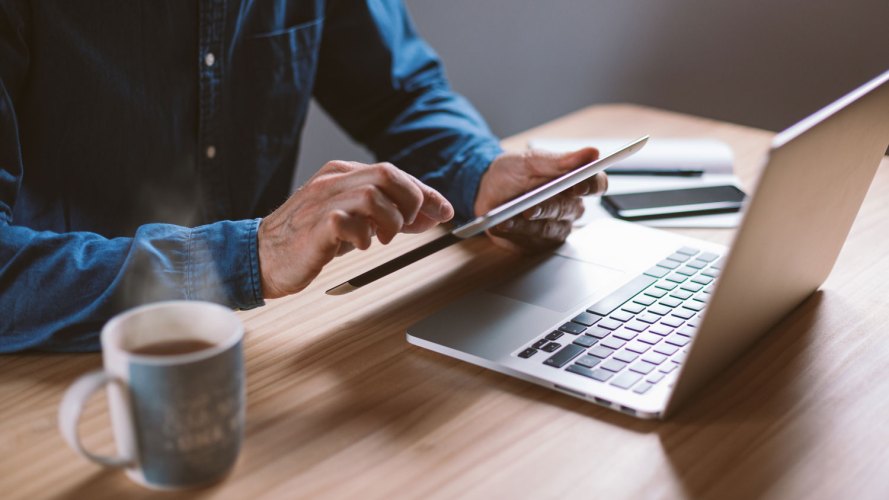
point(340, 406)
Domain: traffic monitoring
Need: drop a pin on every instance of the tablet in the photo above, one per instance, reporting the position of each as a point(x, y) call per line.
point(495, 216)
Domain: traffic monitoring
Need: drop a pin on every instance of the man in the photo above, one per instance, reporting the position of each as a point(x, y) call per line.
point(141, 145)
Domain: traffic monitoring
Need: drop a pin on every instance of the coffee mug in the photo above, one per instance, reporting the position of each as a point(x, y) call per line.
point(174, 373)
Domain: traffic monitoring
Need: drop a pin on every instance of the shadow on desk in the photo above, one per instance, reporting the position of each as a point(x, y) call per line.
point(731, 439)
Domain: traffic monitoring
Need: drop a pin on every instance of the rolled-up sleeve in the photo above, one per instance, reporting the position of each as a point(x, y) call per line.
point(387, 88)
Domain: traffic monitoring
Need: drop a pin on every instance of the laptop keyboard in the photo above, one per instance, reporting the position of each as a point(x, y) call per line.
point(635, 337)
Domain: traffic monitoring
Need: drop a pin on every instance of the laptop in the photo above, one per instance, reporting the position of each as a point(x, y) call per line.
point(637, 319)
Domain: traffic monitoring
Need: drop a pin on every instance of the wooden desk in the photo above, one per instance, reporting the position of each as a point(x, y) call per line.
point(341, 406)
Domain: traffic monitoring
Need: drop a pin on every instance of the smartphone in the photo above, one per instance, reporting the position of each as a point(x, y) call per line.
point(674, 202)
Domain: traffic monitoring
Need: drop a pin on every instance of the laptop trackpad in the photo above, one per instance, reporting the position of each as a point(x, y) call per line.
point(559, 283)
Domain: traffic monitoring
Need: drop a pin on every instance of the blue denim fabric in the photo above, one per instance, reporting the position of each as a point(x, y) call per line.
point(140, 143)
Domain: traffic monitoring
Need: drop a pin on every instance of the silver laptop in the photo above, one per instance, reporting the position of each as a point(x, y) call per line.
point(637, 319)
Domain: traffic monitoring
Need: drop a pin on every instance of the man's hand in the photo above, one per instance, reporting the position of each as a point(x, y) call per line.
point(547, 224)
point(341, 208)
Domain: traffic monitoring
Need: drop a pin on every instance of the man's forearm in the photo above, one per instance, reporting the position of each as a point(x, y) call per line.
point(59, 288)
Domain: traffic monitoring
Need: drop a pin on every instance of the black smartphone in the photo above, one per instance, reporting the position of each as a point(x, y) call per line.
point(674, 202)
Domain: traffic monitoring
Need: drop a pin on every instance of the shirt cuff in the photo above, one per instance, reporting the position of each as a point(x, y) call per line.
point(223, 264)
point(466, 181)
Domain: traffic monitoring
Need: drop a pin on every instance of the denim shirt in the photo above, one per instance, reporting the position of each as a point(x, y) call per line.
point(141, 143)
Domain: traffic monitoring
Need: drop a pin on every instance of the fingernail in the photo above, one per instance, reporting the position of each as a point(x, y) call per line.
point(506, 226)
point(536, 213)
point(445, 211)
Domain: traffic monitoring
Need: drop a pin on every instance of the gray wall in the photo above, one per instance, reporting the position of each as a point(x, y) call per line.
point(764, 63)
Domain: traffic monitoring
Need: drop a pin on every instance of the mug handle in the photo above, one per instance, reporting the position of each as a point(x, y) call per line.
point(72, 406)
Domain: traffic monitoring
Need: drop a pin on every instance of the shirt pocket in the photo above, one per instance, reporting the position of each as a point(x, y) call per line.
point(273, 84)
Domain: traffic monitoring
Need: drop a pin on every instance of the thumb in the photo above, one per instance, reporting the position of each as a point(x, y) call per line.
point(574, 159)
point(549, 164)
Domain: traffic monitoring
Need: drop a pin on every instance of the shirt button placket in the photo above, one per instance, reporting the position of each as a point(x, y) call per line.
point(212, 175)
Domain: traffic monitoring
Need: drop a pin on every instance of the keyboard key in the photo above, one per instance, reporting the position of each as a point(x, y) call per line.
point(654, 358)
point(625, 334)
point(621, 295)
point(687, 271)
point(659, 309)
point(599, 333)
point(551, 347)
point(644, 300)
point(697, 264)
point(527, 353)
point(709, 289)
point(643, 387)
point(585, 341)
point(621, 316)
point(648, 318)
point(655, 292)
point(636, 326)
point(677, 278)
point(687, 331)
point(601, 375)
point(634, 308)
point(678, 340)
point(643, 367)
point(562, 357)
point(665, 285)
point(657, 272)
point(679, 257)
point(672, 321)
point(694, 305)
point(638, 347)
point(688, 251)
point(662, 330)
point(613, 365)
point(626, 356)
point(670, 302)
point(581, 370)
point(609, 324)
point(586, 319)
point(680, 358)
point(572, 328)
point(667, 368)
point(702, 280)
point(588, 361)
point(708, 257)
point(691, 287)
point(602, 352)
point(626, 380)
point(713, 273)
point(669, 264)
point(540, 343)
point(649, 338)
point(666, 349)
point(612, 343)
point(683, 313)
point(681, 294)
point(702, 297)
point(655, 377)
point(554, 336)
point(717, 264)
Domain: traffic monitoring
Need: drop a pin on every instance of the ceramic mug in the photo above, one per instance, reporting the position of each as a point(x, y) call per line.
point(174, 373)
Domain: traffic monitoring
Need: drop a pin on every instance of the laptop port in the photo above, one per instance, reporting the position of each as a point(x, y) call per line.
point(602, 401)
point(627, 410)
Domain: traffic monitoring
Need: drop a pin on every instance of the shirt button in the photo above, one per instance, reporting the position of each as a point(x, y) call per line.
point(211, 152)
point(209, 59)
